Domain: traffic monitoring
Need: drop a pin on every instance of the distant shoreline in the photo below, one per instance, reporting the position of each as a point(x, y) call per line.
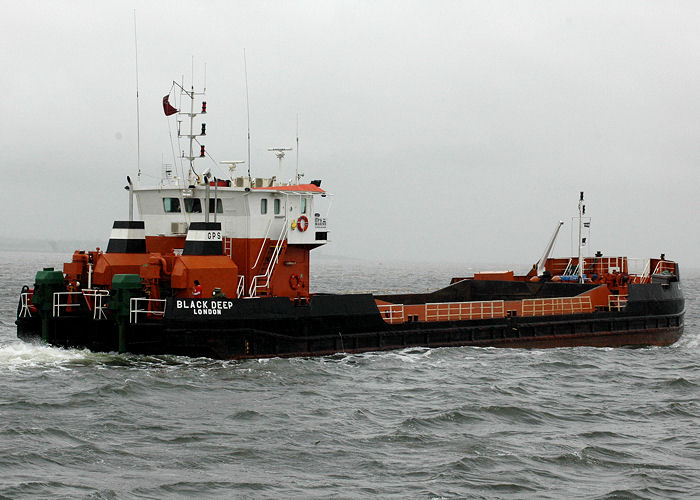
point(69, 246)
point(48, 245)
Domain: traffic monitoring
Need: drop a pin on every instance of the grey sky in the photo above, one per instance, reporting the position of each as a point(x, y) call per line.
point(456, 131)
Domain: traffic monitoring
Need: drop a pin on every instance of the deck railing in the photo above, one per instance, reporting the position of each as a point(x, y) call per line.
point(136, 307)
point(444, 311)
point(24, 311)
point(554, 306)
point(240, 289)
point(97, 306)
point(392, 313)
point(456, 311)
point(64, 300)
point(617, 302)
point(452, 311)
point(664, 266)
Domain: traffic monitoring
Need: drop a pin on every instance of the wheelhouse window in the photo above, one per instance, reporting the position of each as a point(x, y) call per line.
point(171, 205)
point(263, 206)
point(193, 205)
point(277, 205)
point(219, 206)
point(303, 205)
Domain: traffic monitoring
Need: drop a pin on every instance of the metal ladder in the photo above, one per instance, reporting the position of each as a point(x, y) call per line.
point(274, 258)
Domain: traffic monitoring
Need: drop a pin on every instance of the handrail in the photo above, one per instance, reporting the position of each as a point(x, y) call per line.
point(25, 312)
point(392, 313)
point(269, 225)
point(568, 266)
point(96, 295)
point(57, 304)
point(240, 290)
point(480, 309)
point(617, 302)
point(271, 265)
point(646, 275)
point(134, 311)
point(444, 311)
point(557, 305)
point(664, 265)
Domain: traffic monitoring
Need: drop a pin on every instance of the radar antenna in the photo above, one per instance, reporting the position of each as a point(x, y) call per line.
point(279, 153)
point(232, 164)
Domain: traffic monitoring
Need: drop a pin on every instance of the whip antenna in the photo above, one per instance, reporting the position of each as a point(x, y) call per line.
point(296, 179)
point(138, 125)
point(247, 107)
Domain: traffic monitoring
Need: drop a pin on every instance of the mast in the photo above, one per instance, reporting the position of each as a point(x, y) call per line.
point(581, 211)
point(192, 129)
point(247, 108)
point(296, 177)
point(130, 188)
point(192, 136)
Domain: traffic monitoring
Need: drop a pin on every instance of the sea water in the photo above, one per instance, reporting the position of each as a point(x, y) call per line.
point(419, 423)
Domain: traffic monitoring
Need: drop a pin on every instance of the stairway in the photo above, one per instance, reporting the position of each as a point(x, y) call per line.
point(260, 286)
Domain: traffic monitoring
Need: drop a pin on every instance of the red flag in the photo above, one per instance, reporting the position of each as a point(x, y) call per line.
point(167, 107)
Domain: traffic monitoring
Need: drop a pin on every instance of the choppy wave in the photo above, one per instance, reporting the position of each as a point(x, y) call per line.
point(437, 423)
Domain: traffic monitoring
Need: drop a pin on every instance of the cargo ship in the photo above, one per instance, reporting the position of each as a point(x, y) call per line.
point(220, 268)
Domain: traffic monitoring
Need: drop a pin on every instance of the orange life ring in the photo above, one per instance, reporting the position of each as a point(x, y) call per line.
point(303, 223)
point(294, 281)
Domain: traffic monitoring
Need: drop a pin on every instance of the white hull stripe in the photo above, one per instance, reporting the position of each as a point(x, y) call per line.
point(127, 234)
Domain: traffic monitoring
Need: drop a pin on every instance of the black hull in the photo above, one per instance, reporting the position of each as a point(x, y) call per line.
point(272, 327)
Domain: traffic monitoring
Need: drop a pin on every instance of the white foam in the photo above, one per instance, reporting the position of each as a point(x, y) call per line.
point(690, 340)
point(22, 354)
